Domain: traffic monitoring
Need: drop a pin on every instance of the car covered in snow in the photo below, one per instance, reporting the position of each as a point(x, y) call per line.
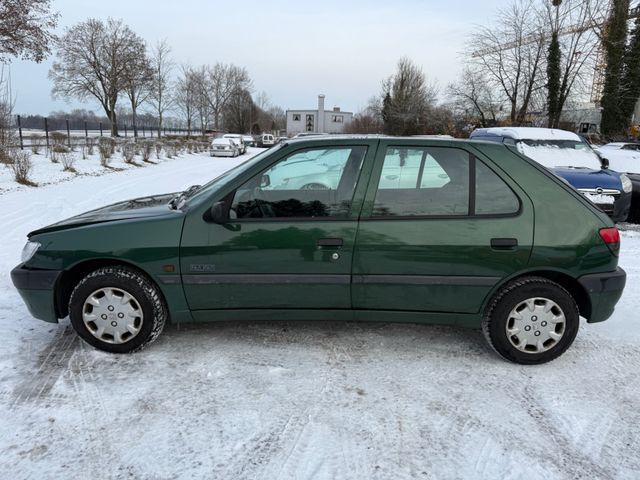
point(224, 147)
point(625, 157)
point(402, 230)
point(571, 158)
point(238, 140)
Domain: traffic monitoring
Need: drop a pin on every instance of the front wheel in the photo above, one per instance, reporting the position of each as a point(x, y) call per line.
point(117, 309)
point(532, 320)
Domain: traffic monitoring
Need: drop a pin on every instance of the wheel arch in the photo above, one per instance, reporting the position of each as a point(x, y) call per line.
point(71, 276)
point(563, 279)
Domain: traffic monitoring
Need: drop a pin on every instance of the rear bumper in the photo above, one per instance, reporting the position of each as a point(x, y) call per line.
point(604, 290)
point(37, 287)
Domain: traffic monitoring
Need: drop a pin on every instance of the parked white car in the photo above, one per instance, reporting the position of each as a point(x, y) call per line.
point(237, 138)
point(248, 141)
point(223, 147)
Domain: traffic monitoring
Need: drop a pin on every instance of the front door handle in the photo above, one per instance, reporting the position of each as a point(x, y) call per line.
point(329, 242)
point(504, 243)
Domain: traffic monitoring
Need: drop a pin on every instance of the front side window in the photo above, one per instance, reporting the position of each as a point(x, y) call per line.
point(429, 181)
point(311, 183)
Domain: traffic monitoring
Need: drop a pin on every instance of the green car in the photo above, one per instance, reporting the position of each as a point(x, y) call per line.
point(353, 228)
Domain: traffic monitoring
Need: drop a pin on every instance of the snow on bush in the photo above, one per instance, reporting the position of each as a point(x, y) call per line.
point(36, 143)
point(105, 148)
point(68, 159)
point(128, 152)
point(147, 148)
point(21, 165)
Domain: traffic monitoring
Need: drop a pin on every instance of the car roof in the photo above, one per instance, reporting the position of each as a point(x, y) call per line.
point(527, 133)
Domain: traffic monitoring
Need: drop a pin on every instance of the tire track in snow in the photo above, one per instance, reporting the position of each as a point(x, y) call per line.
point(52, 363)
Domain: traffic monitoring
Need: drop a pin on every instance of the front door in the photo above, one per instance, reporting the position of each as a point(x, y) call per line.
point(439, 229)
point(290, 239)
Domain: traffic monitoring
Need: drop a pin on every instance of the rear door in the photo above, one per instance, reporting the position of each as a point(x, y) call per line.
point(439, 229)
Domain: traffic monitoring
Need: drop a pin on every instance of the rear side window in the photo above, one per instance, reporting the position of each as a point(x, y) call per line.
point(435, 181)
point(493, 196)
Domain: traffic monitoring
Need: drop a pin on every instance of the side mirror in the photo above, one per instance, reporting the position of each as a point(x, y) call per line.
point(218, 213)
point(604, 162)
point(265, 181)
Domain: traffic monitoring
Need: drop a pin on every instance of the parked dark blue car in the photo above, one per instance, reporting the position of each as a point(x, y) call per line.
point(571, 158)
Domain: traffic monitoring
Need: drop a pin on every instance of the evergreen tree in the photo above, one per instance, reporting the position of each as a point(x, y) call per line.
point(630, 88)
point(615, 41)
point(554, 58)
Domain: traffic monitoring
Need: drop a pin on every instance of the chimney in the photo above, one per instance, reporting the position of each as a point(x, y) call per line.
point(320, 122)
point(336, 109)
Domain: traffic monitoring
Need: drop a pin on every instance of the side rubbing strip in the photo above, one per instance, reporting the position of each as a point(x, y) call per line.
point(425, 280)
point(266, 279)
point(169, 279)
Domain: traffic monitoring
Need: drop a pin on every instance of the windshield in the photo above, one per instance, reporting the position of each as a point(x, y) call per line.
point(206, 189)
point(560, 153)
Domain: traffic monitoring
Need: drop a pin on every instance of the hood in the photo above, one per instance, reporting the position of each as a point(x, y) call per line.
point(143, 207)
point(587, 178)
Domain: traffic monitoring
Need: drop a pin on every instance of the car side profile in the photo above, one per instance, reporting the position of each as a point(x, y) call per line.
point(571, 158)
point(401, 230)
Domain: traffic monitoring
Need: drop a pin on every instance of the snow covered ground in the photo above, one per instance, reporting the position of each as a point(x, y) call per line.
point(291, 400)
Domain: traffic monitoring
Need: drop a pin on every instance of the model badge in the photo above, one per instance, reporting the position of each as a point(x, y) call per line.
point(202, 267)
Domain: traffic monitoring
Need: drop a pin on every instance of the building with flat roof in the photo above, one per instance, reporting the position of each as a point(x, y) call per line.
point(319, 120)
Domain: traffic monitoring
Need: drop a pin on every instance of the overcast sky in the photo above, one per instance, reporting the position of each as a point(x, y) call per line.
point(293, 50)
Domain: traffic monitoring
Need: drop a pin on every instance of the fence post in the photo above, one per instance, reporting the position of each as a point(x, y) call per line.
point(143, 130)
point(86, 132)
point(100, 128)
point(125, 130)
point(68, 135)
point(20, 133)
point(46, 131)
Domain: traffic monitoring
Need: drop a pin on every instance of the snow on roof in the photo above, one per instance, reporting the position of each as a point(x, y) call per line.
point(533, 133)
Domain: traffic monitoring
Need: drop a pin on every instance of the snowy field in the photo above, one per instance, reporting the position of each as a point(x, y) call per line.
point(291, 400)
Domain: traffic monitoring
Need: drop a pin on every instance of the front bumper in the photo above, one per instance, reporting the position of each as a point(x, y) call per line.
point(604, 290)
point(37, 289)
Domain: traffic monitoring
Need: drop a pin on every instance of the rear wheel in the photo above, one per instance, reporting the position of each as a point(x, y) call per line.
point(531, 321)
point(117, 309)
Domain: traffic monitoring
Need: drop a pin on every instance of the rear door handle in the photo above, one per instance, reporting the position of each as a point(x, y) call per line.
point(329, 242)
point(504, 243)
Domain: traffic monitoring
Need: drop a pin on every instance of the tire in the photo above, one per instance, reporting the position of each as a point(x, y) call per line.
point(531, 321)
point(97, 322)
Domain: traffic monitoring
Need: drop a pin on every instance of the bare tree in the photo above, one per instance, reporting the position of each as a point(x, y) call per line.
point(406, 99)
point(162, 66)
point(138, 85)
point(474, 99)
point(220, 83)
point(93, 61)
point(574, 35)
point(510, 52)
point(25, 29)
point(186, 97)
point(238, 113)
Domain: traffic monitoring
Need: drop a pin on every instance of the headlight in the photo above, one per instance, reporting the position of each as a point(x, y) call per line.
point(29, 251)
point(627, 186)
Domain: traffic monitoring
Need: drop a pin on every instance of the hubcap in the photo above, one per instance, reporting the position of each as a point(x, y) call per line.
point(535, 325)
point(112, 315)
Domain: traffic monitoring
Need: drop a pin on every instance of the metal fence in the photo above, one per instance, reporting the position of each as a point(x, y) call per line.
point(76, 137)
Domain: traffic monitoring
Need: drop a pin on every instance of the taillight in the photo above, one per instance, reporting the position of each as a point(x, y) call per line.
point(611, 237)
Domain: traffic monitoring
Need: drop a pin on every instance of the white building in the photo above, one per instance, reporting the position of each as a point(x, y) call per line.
point(319, 120)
